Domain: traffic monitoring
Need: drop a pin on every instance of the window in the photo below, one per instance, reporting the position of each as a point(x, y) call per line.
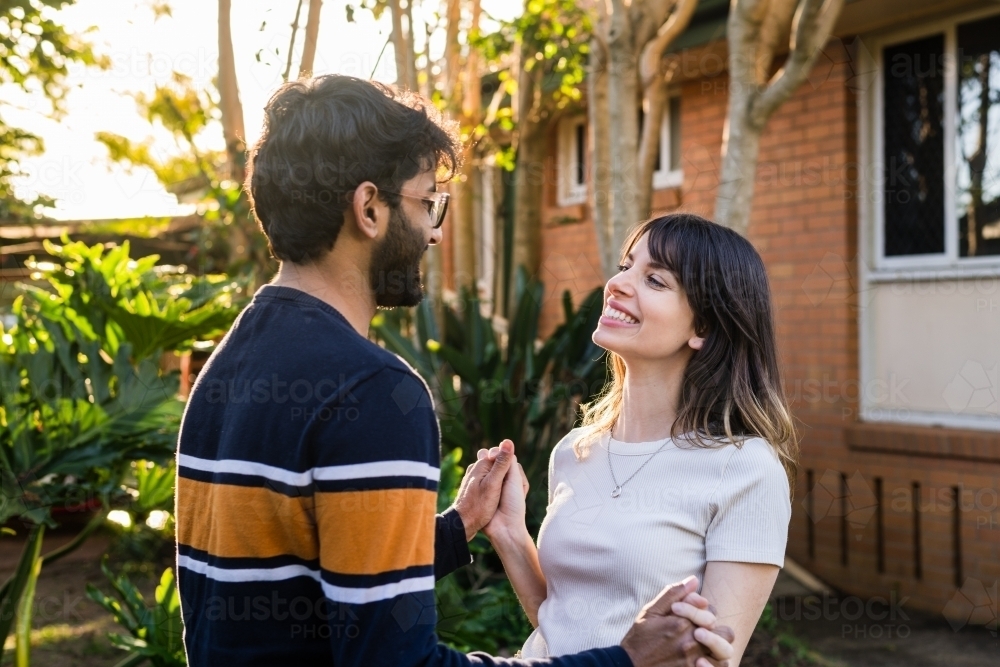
point(669, 173)
point(939, 162)
point(929, 223)
point(572, 176)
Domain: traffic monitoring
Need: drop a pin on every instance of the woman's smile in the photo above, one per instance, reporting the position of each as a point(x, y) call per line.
point(617, 316)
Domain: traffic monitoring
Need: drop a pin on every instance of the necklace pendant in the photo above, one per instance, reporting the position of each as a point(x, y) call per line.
point(617, 492)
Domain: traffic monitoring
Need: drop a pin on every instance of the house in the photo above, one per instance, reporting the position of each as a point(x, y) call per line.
point(877, 213)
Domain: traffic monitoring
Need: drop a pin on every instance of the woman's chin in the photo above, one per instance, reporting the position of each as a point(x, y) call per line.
point(609, 339)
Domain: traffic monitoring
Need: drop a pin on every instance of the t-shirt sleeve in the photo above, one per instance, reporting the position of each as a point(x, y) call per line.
point(751, 508)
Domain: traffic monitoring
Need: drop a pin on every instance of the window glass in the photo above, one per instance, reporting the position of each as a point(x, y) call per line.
point(978, 138)
point(580, 153)
point(913, 179)
point(675, 133)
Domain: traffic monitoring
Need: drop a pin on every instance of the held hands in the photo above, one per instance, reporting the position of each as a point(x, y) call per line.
point(508, 521)
point(678, 628)
point(479, 493)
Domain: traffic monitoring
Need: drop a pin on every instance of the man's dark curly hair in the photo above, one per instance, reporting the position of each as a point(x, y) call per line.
point(322, 138)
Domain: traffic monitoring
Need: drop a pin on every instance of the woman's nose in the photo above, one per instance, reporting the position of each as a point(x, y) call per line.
point(619, 284)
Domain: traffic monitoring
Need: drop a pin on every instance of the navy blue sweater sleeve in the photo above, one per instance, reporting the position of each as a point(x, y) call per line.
point(451, 551)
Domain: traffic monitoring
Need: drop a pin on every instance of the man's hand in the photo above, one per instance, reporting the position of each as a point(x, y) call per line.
point(479, 493)
point(659, 638)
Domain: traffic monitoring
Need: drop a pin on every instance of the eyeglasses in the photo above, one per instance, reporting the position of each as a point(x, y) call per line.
point(438, 201)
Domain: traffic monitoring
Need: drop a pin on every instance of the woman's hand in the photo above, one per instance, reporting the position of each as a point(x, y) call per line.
point(696, 608)
point(508, 521)
point(513, 542)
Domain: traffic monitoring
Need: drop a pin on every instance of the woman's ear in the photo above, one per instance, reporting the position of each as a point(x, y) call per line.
point(696, 342)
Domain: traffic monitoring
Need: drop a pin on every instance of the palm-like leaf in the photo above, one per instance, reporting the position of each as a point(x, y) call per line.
point(154, 631)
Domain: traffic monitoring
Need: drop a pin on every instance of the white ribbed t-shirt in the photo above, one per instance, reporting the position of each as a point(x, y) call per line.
point(604, 558)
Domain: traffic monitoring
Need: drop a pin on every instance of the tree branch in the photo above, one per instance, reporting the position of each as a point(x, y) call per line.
point(312, 36)
point(775, 33)
point(291, 42)
point(652, 52)
point(813, 23)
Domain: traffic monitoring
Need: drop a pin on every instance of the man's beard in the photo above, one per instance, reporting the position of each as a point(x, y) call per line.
point(395, 267)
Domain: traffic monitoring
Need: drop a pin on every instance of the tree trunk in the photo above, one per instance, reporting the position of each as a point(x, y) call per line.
point(751, 31)
point(465, 194)
point(654, 97)
point(229, 97)
point(402, 44)
point(468, 191)
point(654, 102)
point(741, 134)
point(452, 49)
point(623, 93)
point(532, 123)
point(599, 138)
point(411, 49)
point(630, 42)
point(312, 35)
point(734, 197)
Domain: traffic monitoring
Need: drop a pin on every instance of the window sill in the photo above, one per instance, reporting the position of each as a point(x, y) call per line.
point(571, 199)
point(930, 441)
point(929, 274)
point(664, 180)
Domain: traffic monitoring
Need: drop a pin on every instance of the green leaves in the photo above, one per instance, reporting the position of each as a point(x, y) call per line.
point(35, 54)
point(12, 591)
point(83, 394)
point(155, 632)
point(152, 308)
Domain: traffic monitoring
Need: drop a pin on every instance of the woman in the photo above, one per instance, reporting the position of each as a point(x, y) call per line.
point(681, 467)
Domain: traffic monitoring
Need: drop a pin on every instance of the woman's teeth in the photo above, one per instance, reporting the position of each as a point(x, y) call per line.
point(619, 315)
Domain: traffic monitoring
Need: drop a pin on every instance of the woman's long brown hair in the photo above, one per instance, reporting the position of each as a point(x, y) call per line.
point(732, 388)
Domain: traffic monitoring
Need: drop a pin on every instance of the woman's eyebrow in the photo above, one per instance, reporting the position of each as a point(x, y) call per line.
point(652, 263)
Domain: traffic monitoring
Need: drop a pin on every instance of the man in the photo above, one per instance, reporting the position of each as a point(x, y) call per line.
point(308, 458)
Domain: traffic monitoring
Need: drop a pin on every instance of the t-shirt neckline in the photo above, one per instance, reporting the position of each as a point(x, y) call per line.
point(620, 448)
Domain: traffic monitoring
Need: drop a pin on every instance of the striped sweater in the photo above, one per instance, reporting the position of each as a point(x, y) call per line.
point(308, 465)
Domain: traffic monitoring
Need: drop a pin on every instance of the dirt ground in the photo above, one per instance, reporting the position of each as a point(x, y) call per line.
point(913, 639)
point(70, 630)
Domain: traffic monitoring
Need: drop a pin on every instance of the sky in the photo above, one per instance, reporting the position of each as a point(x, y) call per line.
point(144, 50)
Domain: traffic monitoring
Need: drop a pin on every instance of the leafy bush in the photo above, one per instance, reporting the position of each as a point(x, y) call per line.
point(155, 633)
point(83, 395)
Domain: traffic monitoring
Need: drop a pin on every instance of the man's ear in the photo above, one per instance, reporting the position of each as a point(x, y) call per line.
point(366, 209)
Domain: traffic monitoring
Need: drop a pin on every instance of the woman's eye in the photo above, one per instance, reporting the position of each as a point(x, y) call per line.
point(622, 267)
point(653, 280)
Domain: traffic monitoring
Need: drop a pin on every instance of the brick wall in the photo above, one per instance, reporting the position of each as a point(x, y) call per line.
point(804, 223)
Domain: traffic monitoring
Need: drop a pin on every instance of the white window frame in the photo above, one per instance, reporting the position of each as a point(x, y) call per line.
point(873, 266)
point(872, 213)
point(568, 191)
point(665, 177)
